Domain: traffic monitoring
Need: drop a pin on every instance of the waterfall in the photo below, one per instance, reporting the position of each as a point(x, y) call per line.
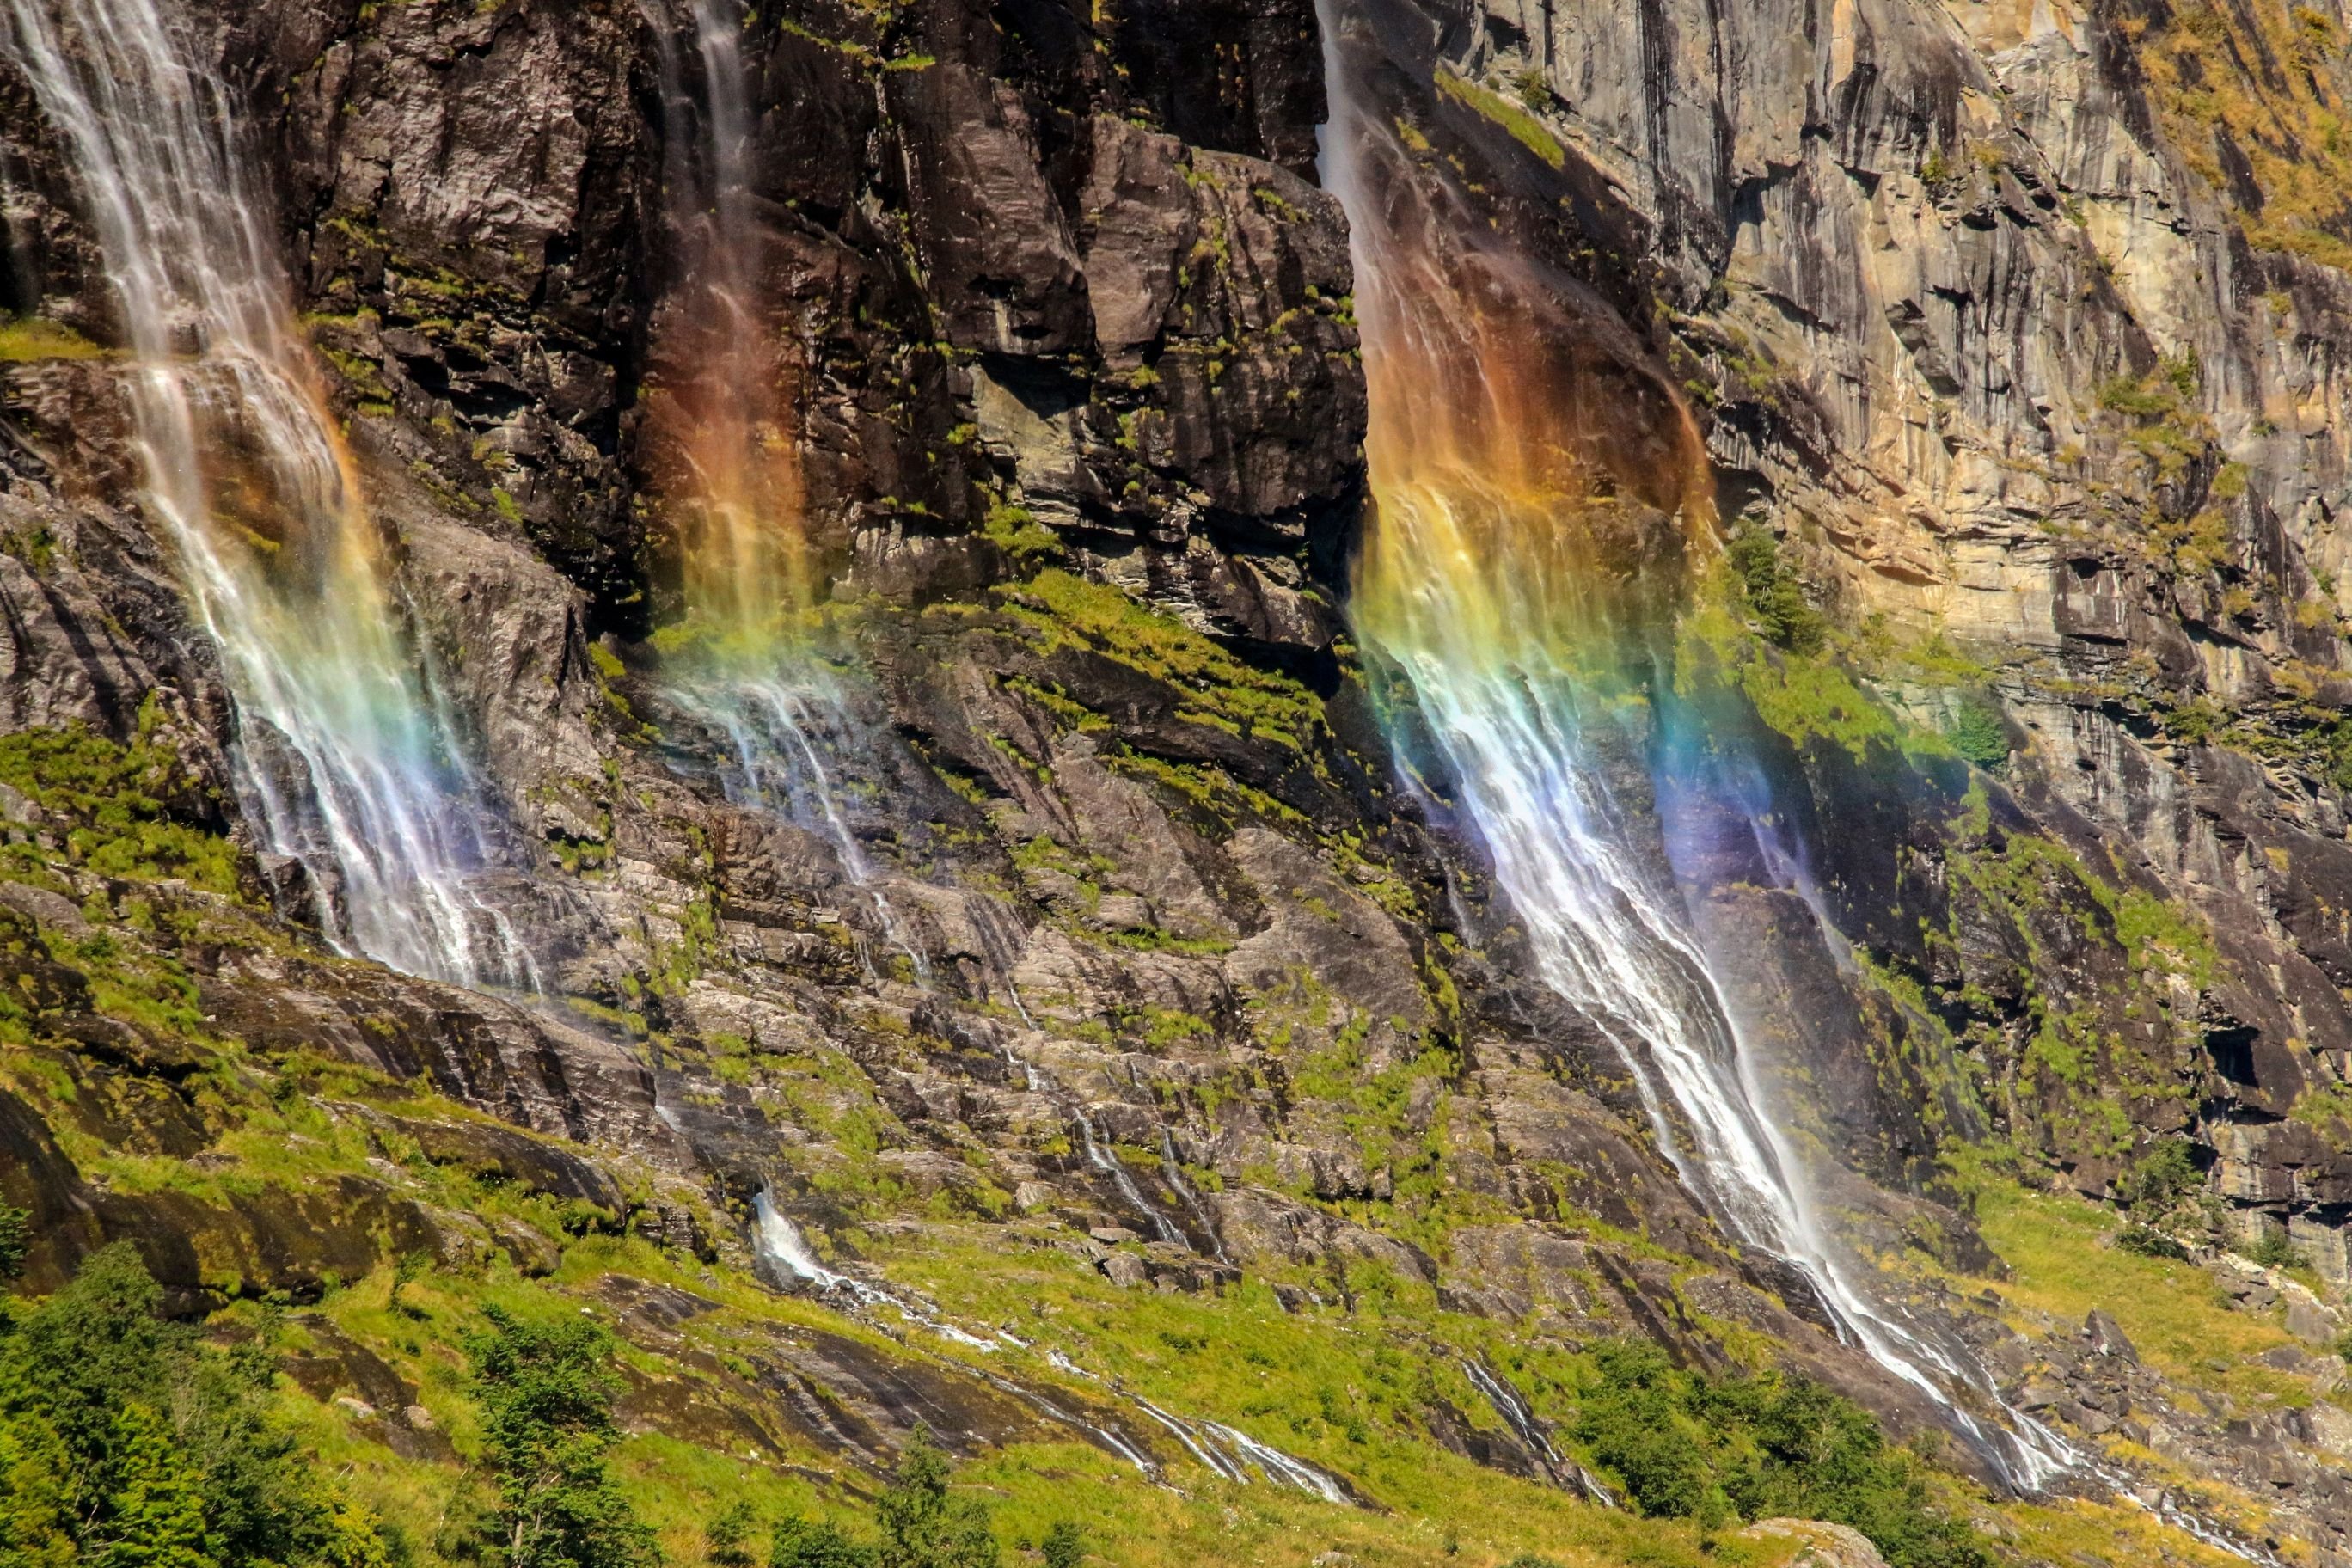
point(721, 444)
point(1523, 584)
point(344, 758)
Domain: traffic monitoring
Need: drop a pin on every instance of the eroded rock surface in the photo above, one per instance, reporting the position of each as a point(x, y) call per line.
point(1119, 932)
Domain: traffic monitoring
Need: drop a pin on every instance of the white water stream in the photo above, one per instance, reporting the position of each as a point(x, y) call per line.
point(1226, 1451)
point(1476, 588)
point(344, 757)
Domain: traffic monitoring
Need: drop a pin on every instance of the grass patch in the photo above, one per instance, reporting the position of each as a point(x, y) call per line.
point(112, 799)
point(2063, 1261)
point(34, 338)
point(1523, 128)
point(1230, 693)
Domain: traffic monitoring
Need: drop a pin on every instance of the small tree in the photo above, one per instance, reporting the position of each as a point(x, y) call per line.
point(547, 1413)
point(727, 1538)
point(157, 1512)
point(815, 1544)
point(1064, 1546)
point(925, 1526)
point(127, 1443)
point(15, 1240)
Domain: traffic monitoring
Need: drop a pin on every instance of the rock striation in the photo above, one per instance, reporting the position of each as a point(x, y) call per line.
point(1124, 935)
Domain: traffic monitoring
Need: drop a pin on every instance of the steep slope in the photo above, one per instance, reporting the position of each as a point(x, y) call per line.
point(1120, 998)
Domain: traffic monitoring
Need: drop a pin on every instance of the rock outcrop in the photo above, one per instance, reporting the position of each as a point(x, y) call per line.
point(1120, 937)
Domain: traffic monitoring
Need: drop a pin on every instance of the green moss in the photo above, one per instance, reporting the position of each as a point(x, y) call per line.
point(114, 797)
point(1060, 704)
point(1809, 699)
point(1022, 535)
point(1154, 940)
point(1225, 691)
point(33, 338)
point(1523, 128)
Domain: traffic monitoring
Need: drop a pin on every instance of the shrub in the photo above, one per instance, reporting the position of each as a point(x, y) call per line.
point(727, 1537)
point(546, 1400)
point(1637, 1425)
point(2164, 1175)
point(1775, 597)
point(923, 1524)
point(124, 1441)
point(1687, 1446)
point(2151, 1243)
point(1064, 1546)
point(812, 1544)
point(2273, 1250)
point(1978, 733)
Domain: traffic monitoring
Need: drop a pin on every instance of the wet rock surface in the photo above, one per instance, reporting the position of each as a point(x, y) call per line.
point(1121, 922)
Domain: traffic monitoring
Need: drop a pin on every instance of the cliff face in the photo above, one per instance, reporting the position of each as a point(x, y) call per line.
point(1995, 325)
point(1109, 963)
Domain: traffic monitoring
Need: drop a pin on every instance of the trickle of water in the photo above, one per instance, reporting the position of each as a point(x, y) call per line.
point(778, 732)
point(1183, 1189)
point(722, 439)
point(1512, 1407)
point(1225, 1451)
point(344, 757)
point(1103, 1160)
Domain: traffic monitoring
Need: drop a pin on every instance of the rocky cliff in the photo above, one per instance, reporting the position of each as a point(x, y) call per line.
point(1118, 995)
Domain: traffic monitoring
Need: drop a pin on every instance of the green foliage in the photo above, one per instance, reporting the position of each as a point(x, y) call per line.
point(1638, 1424)
point(726, 1538)
point(2138, 397)
point(546, 1399)
point(1688, 1446)
point(1811, 698)
point(2272, 1249)
point(1064, 1545)
point(124, 1443)
point(15, 1240)
point(2338, 752)
point(923, 1524)
point(1775, 597)
point(1977, 733)
point(817, 1543)
point(112, 797)
point(2149, 1242)
point(2164, 1175)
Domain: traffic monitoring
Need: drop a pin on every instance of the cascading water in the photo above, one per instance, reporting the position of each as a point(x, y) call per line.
point(723, 439)
point(344, 758)
point(1526, 587)
point(1226, 1452)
